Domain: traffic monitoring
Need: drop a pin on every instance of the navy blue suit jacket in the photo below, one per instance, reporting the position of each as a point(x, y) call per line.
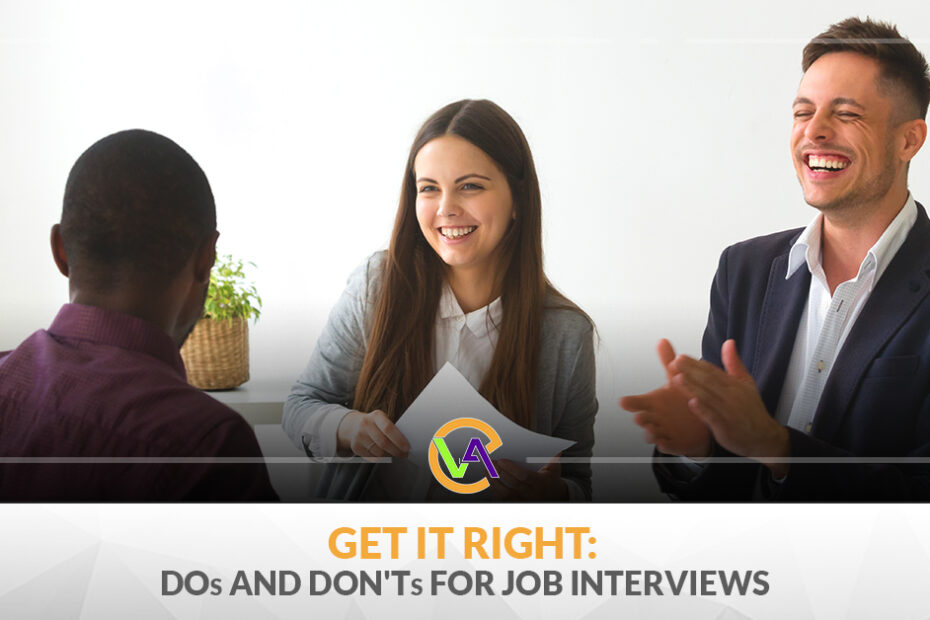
point(876, 402)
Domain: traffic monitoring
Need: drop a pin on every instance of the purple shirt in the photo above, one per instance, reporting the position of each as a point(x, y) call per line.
point(100, 383)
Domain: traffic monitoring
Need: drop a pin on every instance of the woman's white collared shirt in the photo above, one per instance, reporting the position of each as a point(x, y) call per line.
point(467, 341)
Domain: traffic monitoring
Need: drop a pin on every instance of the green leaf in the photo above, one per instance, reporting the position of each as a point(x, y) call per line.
point(230, 295)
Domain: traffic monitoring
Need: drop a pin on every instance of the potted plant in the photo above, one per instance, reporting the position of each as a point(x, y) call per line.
point(216, 354)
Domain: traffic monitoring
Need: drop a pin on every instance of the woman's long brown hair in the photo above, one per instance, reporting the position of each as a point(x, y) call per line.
point(399, 359)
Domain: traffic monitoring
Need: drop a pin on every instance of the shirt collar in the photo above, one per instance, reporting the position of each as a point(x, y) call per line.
point(117, 329)
point(480, 322)
point(807, 247)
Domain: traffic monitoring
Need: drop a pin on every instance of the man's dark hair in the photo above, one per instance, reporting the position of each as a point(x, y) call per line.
point(136, 205)
point(904, 68)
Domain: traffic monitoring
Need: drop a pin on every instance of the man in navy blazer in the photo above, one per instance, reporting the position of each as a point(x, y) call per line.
point(822, 333)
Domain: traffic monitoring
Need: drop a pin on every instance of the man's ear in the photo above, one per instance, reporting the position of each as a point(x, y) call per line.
point(915, 133)
point(58, 251)
point(204, 259)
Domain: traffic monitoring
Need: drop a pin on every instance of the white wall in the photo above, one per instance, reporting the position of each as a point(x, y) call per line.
point(660, 133)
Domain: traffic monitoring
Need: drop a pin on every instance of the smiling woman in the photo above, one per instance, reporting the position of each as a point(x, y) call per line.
point(464, 215)
point(462, 282)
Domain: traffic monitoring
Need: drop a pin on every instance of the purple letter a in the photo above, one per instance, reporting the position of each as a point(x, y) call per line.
point(475, 445)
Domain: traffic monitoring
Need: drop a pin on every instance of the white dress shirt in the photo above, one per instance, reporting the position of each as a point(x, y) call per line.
point(467, 341)
point(827, 319)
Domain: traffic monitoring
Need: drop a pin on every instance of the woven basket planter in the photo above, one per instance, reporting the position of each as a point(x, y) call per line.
point(216, 354)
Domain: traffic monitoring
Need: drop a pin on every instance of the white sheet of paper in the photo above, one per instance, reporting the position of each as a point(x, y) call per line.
point(448, 396)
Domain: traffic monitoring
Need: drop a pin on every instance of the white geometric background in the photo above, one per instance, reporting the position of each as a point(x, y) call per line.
point(824, 561)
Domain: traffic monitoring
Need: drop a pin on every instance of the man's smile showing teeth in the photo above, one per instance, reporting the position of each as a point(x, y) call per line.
point(456, 232)
point(827, 163)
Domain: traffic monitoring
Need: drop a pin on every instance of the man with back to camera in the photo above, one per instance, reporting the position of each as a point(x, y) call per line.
point(822, 333)
point(105, 384)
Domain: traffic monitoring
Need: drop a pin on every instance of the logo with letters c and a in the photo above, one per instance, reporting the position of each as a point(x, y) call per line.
point(476, 452)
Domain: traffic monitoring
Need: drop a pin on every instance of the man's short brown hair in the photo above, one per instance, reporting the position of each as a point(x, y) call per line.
point(904, 68)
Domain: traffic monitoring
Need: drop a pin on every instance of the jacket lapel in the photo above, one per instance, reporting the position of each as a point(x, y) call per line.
point(900, 290)
point(781, 311)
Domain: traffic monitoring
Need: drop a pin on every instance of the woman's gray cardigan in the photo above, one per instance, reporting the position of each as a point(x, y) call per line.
point(565, 390)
